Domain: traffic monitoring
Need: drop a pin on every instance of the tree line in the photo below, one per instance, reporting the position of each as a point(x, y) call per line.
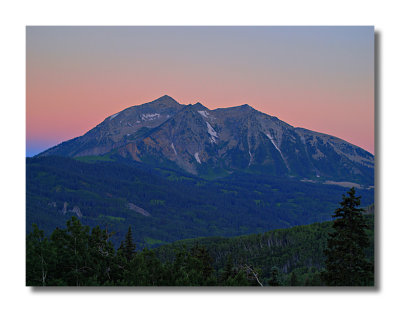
point(78, 256)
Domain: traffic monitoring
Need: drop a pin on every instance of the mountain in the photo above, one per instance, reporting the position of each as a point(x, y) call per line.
point(216, 143)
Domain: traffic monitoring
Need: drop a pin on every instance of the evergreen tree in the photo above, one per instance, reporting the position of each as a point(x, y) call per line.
point(228, 272)
point(346, 264)
point(274, 280)
point(119, 266)
point(101, 254)
point(203, 261)
point(39, 255)
point(121, 247)
point(129, 246)
point(73, 252)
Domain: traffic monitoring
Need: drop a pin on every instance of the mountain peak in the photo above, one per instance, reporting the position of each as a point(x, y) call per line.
point(198, 105)
point(166, 99)
point(246, 106)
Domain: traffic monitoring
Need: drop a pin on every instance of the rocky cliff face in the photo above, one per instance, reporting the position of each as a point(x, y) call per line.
point(217, 142)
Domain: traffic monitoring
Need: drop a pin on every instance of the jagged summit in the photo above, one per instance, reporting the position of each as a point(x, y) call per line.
point(201, 141)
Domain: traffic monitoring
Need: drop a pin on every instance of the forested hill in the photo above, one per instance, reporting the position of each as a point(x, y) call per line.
point(298, 250)
point(80, 256)
point(163, 205)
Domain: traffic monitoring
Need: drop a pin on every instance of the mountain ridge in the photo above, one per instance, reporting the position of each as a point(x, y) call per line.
point(217, 142)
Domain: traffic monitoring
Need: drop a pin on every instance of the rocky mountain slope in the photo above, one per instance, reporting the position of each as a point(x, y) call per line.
point(218, 142)
point(117, 129)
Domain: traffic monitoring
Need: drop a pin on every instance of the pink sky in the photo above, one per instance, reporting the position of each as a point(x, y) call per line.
point(319, 78)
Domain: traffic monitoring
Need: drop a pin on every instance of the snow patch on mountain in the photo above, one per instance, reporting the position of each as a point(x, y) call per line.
point(113, 116)
point(276, 146)
point(173, 147)
point(272, 141)
point(148, 117)
point(205, 114)
point(212, 133)
point(251, 159)
point(196, 155)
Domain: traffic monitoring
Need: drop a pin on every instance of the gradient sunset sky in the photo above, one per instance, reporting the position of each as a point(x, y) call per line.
point(319, 78)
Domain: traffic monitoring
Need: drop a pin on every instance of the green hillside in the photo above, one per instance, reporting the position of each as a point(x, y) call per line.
point(298, 249)
point(164, 206)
